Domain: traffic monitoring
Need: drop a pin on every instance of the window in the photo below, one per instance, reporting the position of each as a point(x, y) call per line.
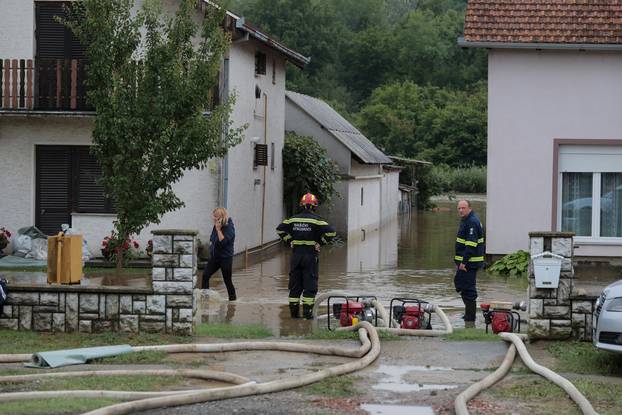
point(260, 63)
point(261, 155)
point(273, 71)
point(591, 191)
point(361, 196)
point(66, 182)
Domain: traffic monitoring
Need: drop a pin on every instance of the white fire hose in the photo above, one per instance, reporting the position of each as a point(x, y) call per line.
point(518, 345)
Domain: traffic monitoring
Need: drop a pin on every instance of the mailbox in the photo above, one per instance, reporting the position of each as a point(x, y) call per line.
point(546, 269)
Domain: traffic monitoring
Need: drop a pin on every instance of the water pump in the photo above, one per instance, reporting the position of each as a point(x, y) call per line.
point(352, 310)
point(502, 318)
point(411, 314)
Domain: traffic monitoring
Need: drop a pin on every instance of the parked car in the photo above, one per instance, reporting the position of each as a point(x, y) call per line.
point(607, 327)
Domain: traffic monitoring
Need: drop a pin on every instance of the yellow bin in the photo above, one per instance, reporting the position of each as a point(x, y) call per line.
point(64, 259)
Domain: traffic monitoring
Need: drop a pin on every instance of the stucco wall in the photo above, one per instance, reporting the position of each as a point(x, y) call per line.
point(364, 217)
point(244, 197)
point(17, 34)
point(18, 138)
point(534, 98)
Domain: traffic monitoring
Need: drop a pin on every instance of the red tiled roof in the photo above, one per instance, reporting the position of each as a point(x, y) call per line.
point(544, 21)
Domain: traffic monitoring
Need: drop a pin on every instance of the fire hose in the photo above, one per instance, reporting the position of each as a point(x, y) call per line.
point(518, 345)
point(367, 353)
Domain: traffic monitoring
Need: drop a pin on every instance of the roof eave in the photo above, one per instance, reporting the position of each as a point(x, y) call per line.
point(294, 57)
point(462, 42)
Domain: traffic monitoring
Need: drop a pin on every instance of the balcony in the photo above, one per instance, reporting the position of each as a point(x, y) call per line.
point(43, 85)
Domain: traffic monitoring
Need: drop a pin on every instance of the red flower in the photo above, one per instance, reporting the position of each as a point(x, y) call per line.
point(126, 245)
point(135, 244)
point(8, 234)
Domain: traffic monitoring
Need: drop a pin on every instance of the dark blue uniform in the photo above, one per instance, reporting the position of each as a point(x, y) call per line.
point(470, 249)
point(221, 258)
point(302, 231)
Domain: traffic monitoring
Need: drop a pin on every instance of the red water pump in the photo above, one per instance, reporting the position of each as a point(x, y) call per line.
point(501, 317)
point(412, 314)
point(352, 310)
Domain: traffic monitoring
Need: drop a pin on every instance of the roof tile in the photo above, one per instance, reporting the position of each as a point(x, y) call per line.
point(544, 21)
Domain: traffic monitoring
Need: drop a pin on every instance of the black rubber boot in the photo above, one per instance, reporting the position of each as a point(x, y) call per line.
point(307, 311)
point(294, 310)
point(470, 307)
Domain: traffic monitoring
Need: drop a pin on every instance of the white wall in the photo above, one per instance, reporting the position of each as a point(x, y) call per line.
point(244, 200)
point(18, 138)
point(390, 195)
point(364, 217)
point(17, 33)
point(534, 98)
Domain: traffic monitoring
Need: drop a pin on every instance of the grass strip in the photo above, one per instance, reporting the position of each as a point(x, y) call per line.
point(55, 406)
point(584, 358)
point(334, 387)
point(345, 335)
point(472, 334)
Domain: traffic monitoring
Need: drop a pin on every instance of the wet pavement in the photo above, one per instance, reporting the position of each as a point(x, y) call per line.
point(408, 257)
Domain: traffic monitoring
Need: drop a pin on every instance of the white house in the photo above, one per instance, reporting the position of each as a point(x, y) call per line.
point(48, 176)
point(369, 185)
point(554, 124)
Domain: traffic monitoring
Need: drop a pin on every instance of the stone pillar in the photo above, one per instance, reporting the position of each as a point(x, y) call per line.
point(550, 308)
point(174, 277)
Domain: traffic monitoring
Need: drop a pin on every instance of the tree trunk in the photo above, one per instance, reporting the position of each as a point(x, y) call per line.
point(119, 269)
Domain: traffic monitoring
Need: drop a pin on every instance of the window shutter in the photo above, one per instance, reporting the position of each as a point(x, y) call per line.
point(54, 40)
point(261, 155)
point(90, 195)
point(53, 196)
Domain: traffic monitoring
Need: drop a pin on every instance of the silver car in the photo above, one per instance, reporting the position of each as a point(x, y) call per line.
point(607, 328)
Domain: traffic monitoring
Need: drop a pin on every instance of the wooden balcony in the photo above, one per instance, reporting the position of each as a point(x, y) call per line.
point(43, 85)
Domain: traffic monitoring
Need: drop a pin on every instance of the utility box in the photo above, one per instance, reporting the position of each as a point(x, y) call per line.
point(64, 259)
point(546, 269)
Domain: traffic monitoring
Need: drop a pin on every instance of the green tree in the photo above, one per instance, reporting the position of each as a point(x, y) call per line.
point(150, 79)
point(320, 173)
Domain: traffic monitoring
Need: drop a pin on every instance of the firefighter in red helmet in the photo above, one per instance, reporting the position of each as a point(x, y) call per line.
point(305, 232)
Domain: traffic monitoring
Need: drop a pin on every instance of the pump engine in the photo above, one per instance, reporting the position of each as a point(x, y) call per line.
point(353, 310)
point(411, 314)
point(501, 317)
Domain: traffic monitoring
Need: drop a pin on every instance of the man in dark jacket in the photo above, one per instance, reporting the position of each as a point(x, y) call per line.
point(469, 258)
point(305, 232)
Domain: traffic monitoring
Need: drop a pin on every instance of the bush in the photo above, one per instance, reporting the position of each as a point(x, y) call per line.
point(460, 179)
point(515, 264)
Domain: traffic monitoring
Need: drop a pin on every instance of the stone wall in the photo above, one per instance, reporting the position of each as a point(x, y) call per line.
point(167, 307)
point(557, 313)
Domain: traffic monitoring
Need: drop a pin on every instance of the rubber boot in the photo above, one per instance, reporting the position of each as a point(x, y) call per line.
point(307, 311)
point(294, 310)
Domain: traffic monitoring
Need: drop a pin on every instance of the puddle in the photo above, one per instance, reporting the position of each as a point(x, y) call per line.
point(394, 382)
point(397, 410)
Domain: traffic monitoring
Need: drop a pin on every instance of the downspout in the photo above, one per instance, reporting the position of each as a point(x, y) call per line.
point(265, 168)
point(225, 179)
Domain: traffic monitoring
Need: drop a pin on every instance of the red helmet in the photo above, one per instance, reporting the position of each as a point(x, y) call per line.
point(309, 199)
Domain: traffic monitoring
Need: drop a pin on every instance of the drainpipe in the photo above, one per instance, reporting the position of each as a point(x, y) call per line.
point(225, 179)
point(265, 168)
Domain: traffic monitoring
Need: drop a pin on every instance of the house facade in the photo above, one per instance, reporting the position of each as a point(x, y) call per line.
point(368, 188)
point(554, 125)
point(45, 133)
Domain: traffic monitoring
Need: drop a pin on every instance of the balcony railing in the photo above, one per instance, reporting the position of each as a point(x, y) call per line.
point(43, 84)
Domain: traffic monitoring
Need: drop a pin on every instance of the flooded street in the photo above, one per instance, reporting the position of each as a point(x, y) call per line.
point(409, 257)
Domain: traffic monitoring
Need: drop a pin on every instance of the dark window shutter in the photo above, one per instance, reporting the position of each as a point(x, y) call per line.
point(53, 194)
point(261, 155)
point(54, 40)
point(89, 195)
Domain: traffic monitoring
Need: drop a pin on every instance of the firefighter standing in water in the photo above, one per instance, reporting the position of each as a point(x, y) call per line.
point(469, 258)
point(305, 232)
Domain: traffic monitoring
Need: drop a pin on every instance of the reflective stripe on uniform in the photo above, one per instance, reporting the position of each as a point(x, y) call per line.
point(299, 242)
point(305, 220)
point(308, 300)
point(330, 234)
point(294, 300)
point(469, 243)
point(460, 240)
point(287, 237)
point(480, 241)
point(472, 259)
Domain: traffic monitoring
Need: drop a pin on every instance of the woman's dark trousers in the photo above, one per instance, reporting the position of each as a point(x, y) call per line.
point(225, 266)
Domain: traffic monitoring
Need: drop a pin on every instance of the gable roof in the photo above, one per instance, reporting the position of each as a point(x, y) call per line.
point(594, 24)
point(339, 128)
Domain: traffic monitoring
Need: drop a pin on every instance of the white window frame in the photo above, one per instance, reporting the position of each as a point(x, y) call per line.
point(595, 238)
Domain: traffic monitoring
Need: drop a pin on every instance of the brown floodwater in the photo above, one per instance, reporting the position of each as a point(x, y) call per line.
point(408, 257)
